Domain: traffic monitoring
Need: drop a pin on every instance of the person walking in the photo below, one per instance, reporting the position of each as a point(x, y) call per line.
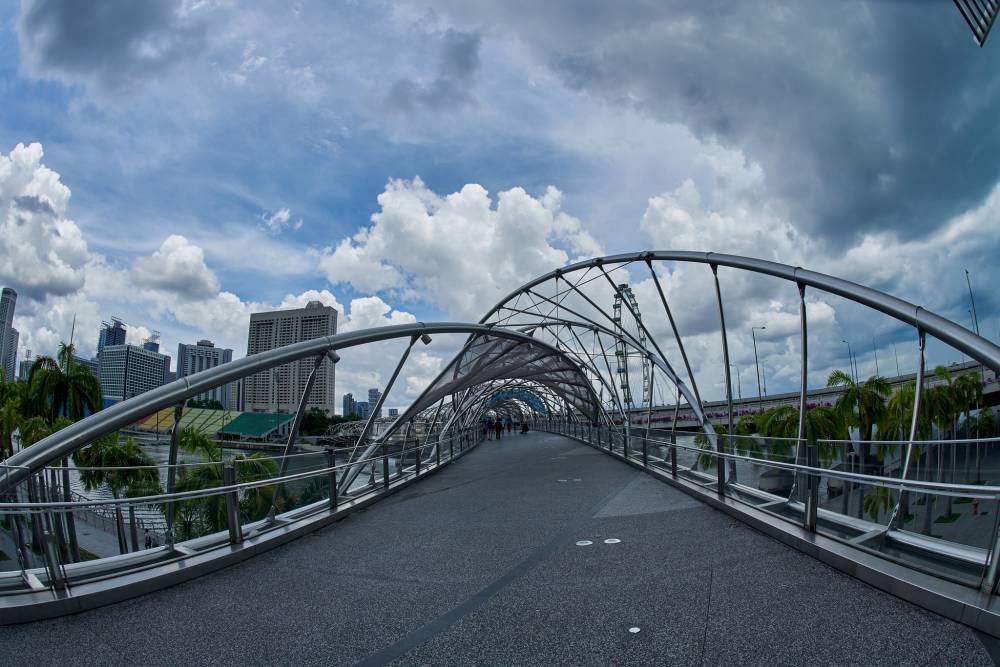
point(498, 428)
point(149, 539)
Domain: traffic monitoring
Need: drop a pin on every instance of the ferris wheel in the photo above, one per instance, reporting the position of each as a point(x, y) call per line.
point(623, 352)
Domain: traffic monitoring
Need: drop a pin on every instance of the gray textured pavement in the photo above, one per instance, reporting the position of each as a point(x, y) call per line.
point(479, 565)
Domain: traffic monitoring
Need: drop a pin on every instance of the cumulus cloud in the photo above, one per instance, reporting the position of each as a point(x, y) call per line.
point(112, 44)
point(461, 252)
point(177, 266)
point(858, 128)
point(41, 251)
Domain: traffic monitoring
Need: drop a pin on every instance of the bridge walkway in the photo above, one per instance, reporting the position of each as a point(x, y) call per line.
point(479, 564)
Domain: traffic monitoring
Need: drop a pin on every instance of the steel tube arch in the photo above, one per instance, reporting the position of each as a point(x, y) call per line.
point(78, 435)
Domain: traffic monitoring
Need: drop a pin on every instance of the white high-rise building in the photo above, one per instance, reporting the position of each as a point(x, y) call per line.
point(279, 389)
point(201, 356)
point(129, 370)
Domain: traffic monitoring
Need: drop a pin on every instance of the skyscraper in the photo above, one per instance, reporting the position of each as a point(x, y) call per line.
point(129, 370)
point(8, 359)
point(112, 333)
point(350, 406)
point(373, 396)
point(201, 356)
point(279, 389)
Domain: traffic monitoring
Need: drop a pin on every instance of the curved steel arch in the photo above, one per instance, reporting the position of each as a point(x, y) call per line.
point(63, 443)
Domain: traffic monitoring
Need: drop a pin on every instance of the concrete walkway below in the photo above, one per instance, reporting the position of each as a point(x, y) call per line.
point(480, 564)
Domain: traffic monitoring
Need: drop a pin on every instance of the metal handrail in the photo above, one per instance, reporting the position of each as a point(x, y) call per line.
point(8, 507)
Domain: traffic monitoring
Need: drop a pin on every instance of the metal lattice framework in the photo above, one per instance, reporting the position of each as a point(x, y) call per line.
point(550, 353)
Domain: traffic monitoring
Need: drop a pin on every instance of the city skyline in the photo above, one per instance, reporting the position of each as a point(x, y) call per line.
point(343, 164)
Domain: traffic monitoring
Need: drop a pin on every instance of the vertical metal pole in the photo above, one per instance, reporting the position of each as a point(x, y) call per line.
point(232, 505)
point(719, 461)
point(803, 384)
point(175, 439)
point(352, 472)
point(649, 417)
point(294, 431)
point(902, 502)
point(331, 463)
point(812, 494)
point(673, 436)
point(385, 463)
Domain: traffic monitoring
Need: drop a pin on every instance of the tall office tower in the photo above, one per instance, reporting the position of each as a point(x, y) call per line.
point(24, 368)
point(364, 409)
point(279, 389)
point(153, 342)
point(350, 405)
point(236, 396)
point(373, 396)
point(201, 356)
point(10, 356)
point(112, 333)
point(129, 370)
point(393, 412)
point(8, 299)
point(93, 364)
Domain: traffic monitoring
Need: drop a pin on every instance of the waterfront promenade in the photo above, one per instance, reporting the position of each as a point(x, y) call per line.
point(479, 564)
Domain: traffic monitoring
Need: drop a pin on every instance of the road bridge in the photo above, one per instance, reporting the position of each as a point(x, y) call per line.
point(479, 564)
point(717, 411)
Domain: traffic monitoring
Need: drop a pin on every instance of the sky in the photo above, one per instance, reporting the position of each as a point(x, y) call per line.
point(183, 163)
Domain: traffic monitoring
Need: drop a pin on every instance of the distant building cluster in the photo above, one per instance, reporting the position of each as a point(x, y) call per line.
point(126, 370)
point(363, 409)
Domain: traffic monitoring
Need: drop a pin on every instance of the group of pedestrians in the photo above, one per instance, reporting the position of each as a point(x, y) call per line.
point(496, 427)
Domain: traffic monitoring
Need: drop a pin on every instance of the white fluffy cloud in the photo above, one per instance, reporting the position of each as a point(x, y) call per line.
point(461, 252)
point(178, 266)
point(41, 251)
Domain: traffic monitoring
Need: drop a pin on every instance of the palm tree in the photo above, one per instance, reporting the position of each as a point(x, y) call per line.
point(861, 405)
point(62, 387)
point(969, 391)
point(895, 425)
point(944, 404)
point(13, 404)
point(208, 515)
point(126, 470)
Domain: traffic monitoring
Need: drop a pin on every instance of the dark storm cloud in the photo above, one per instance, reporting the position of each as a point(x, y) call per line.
point(865, 115)
point(112, 43)
point(456, 69)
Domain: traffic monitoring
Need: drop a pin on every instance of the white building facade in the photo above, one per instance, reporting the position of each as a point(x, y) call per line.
point(129, 370)
point(279, 389)
point(201, 356)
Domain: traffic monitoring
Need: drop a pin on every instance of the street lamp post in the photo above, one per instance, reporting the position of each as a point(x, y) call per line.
point(875, 351)
point(739, 389)
point(975, 317)
point(850, 356)
point(896, 354)
point(756, 362)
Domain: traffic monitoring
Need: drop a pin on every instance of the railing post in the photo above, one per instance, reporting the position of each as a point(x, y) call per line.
point(437, 451)
point(385, 464)
point(331, 463)
point(232, 504)
point(451, 446)
point(812, 496)
point(417, 453)
point(673, 453)
point(645, 450)
point(720, 462)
